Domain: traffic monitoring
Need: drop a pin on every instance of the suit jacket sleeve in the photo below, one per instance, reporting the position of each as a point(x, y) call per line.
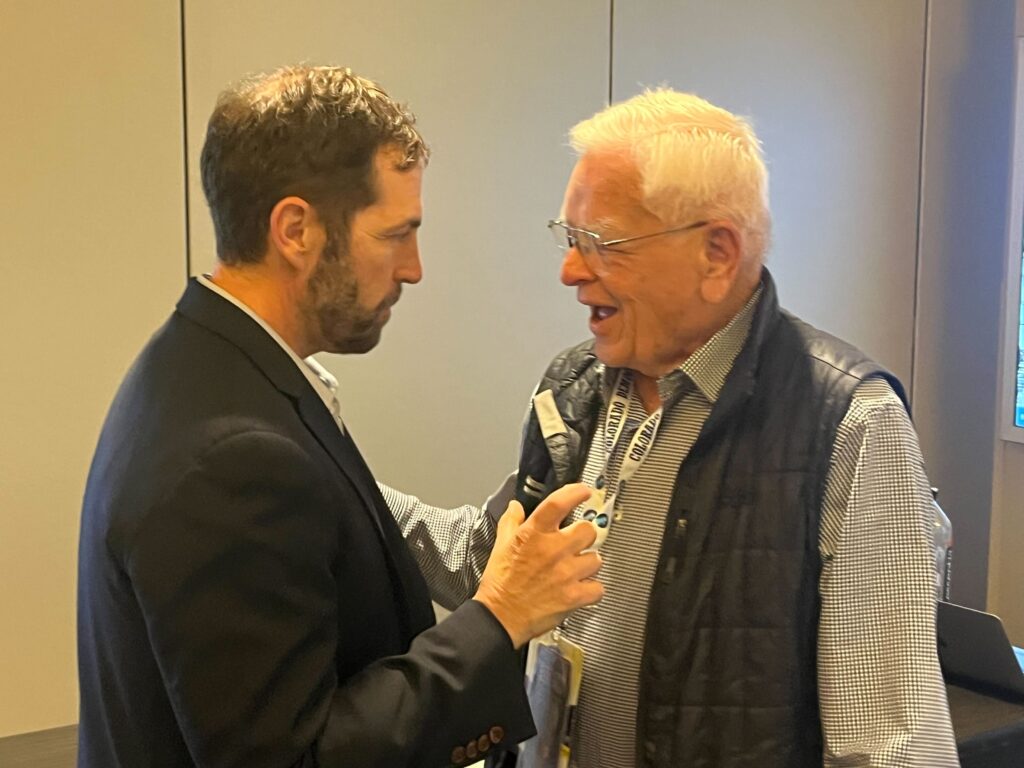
point(234, 572)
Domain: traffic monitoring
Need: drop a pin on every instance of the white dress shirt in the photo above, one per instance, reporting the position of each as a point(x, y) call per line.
point(323, 381)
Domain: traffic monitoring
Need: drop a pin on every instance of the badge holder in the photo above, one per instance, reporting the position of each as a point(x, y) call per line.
point(553, 690)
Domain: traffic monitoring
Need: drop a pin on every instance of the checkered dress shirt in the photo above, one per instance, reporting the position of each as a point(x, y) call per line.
point(882, 699)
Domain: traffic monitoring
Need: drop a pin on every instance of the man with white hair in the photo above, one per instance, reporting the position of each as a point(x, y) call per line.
point(762, 508)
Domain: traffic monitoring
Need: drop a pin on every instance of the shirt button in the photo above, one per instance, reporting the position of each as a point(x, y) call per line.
point(459, 755)
point(483, 743)
point(497, 733)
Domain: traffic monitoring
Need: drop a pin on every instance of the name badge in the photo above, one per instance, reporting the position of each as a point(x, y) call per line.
point(553, 691)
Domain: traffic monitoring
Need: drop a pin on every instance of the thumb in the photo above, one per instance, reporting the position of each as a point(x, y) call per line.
point(511, 518)
point(557, 506)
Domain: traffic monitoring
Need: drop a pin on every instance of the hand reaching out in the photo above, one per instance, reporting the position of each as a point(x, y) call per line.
point(539, 572)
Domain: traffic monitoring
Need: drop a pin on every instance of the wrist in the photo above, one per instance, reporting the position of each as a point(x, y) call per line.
point(516, 634)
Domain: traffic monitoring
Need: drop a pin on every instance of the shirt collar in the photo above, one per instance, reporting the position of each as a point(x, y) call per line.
point(323, 382)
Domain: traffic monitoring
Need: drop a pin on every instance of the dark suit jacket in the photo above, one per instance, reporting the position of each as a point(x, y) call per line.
point(244, 596)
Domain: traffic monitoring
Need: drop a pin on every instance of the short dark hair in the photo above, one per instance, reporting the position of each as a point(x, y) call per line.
point(306, 131)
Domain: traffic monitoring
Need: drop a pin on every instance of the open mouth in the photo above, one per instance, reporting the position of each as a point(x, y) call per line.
point(599, 315)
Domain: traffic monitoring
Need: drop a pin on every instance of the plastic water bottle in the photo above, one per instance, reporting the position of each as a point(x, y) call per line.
point(943, 534)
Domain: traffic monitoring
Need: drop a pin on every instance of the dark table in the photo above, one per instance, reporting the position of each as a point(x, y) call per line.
point(989, 734)
point(989, 730)
point(53, 748)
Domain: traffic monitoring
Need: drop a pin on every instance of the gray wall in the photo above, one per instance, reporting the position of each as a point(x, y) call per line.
point(840, 115)
point(834, 91)
point(93, 220)
point(886, 125)
point(965, 183)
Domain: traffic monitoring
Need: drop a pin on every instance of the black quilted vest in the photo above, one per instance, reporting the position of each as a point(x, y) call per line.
point(728, 678)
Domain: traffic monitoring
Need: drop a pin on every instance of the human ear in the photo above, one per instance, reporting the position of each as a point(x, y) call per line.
point(723, 249)
point(296, 233)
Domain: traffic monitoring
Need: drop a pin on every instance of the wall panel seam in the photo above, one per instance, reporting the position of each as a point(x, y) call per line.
point(915, 323)
point(611, 49)
point(184, 141)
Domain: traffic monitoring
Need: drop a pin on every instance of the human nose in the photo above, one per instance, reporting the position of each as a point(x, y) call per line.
point(575, 269)
point(410, 268)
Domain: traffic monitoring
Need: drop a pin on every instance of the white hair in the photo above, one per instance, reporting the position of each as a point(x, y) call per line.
point(695, 160)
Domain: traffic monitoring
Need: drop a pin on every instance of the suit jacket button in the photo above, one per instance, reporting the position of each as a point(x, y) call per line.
point(483, 743)
point(471, 750)
point(497, 733)
point(459, 755)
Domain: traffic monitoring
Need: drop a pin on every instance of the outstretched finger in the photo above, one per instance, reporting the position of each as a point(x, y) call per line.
point(556, 507)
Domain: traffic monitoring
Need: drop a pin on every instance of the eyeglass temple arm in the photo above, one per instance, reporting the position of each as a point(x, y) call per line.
point(652, 234)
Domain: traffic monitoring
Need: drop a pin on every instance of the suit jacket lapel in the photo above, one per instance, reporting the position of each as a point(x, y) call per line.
point(404, 575)
point(203, 306)
point(341, 448)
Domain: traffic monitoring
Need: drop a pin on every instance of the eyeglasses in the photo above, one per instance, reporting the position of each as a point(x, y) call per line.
point(590, 243)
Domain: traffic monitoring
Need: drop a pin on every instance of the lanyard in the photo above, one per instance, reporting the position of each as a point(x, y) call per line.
point(600, 507)
point(619, 408)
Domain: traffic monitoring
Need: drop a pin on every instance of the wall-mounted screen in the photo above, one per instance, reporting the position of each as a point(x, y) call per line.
point(1018, 410)
point(1011, 404)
